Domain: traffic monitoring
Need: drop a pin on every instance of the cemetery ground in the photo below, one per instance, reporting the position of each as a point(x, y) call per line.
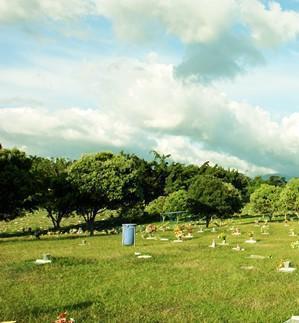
point(102, 281)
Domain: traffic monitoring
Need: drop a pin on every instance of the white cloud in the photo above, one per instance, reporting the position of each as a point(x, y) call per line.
point(21, 10)
point(142, 106)
point(183, 150)
point(208, 29)
point(201, 21)
point(272, 26)
point(68, 124)
point(191, 21)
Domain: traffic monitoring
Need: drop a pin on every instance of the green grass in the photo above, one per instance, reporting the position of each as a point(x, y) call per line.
point(36, 220)
point(186, 282)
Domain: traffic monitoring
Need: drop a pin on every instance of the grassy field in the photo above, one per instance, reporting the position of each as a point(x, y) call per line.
point(182, 282)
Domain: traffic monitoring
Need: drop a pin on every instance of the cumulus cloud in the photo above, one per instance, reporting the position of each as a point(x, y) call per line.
point(270, 26)
point(194, 21)
point(69, 124)
point(209, 30)
point(22, 10)
point(220, 42)
point(184, 150)
point(191, 21)
point(142, 106)
point(202, 21)
point(225, 57)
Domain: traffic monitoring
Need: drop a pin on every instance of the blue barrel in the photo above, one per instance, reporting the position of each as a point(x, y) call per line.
point(128, 234)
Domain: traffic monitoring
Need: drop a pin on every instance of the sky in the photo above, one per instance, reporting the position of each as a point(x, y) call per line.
point(202, 80)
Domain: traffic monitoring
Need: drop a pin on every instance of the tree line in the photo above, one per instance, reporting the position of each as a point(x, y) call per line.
point(135, 188)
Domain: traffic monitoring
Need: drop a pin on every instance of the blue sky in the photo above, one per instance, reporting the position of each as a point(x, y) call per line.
point(180, 77)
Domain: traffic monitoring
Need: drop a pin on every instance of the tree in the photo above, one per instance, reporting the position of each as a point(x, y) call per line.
point(289, 198)
point(255, 183)
point(160, 171)
point(265, 200)
point(16, 186)
point(210, 196)
point(54, 192)
point(232, 176)
point(276, 180)
point(180, 177)
point(156, 207)
point(174, 202)
point(104, 181)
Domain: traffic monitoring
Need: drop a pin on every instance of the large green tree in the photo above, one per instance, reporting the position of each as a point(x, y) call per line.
point(174, 202)
point(16, 186)
point(53, 190)
point(264, 200)
point(104, 181)
point(180, 177)
point(208, 196)
point(289, 198)
point(232, 176)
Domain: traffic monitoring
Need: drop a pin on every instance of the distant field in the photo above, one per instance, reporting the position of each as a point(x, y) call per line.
point(182, 282)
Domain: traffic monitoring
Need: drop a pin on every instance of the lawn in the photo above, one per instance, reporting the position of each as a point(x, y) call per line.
point(182, 282)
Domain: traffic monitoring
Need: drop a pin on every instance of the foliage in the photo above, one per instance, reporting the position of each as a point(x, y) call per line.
point(276, 180)
point(210, 196)
point(180, 177)
point(156, 206)
point(104, 181)
point(176, 201)
point(232, 176)
point(289, 198)
point(160, 172)
point(54, 192)
point(265, 200)
point(16, 187)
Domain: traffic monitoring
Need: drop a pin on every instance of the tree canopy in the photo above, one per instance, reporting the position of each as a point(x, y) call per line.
point(264, 201)
point(208, 196)
point(16, 185)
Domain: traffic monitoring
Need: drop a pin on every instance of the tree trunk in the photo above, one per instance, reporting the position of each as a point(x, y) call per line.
point(55, 220)
point(90, 226)
point(208, 219)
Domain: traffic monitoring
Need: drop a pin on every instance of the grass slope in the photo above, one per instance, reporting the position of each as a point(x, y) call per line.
point(186, 282)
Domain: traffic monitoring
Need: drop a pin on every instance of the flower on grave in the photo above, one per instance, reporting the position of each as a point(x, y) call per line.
point(222, 236)
point(282, 263)
point(251, 235)
point(62, 318)
point(189, 228)
point(295, 244)
point(179, 231)
point(151, 228)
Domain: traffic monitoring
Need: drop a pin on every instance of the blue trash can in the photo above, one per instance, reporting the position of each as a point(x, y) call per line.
point(128, 234)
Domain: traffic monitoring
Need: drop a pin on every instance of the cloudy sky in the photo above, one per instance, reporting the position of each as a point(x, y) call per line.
point(213, 80)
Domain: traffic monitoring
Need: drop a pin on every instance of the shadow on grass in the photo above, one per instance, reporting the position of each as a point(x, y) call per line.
point(66, 308)
point(29, 265)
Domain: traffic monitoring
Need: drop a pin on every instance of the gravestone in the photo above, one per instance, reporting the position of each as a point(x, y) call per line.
point(213, 245)
point(293, 319)
point(286, 267)
point(44, 260)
